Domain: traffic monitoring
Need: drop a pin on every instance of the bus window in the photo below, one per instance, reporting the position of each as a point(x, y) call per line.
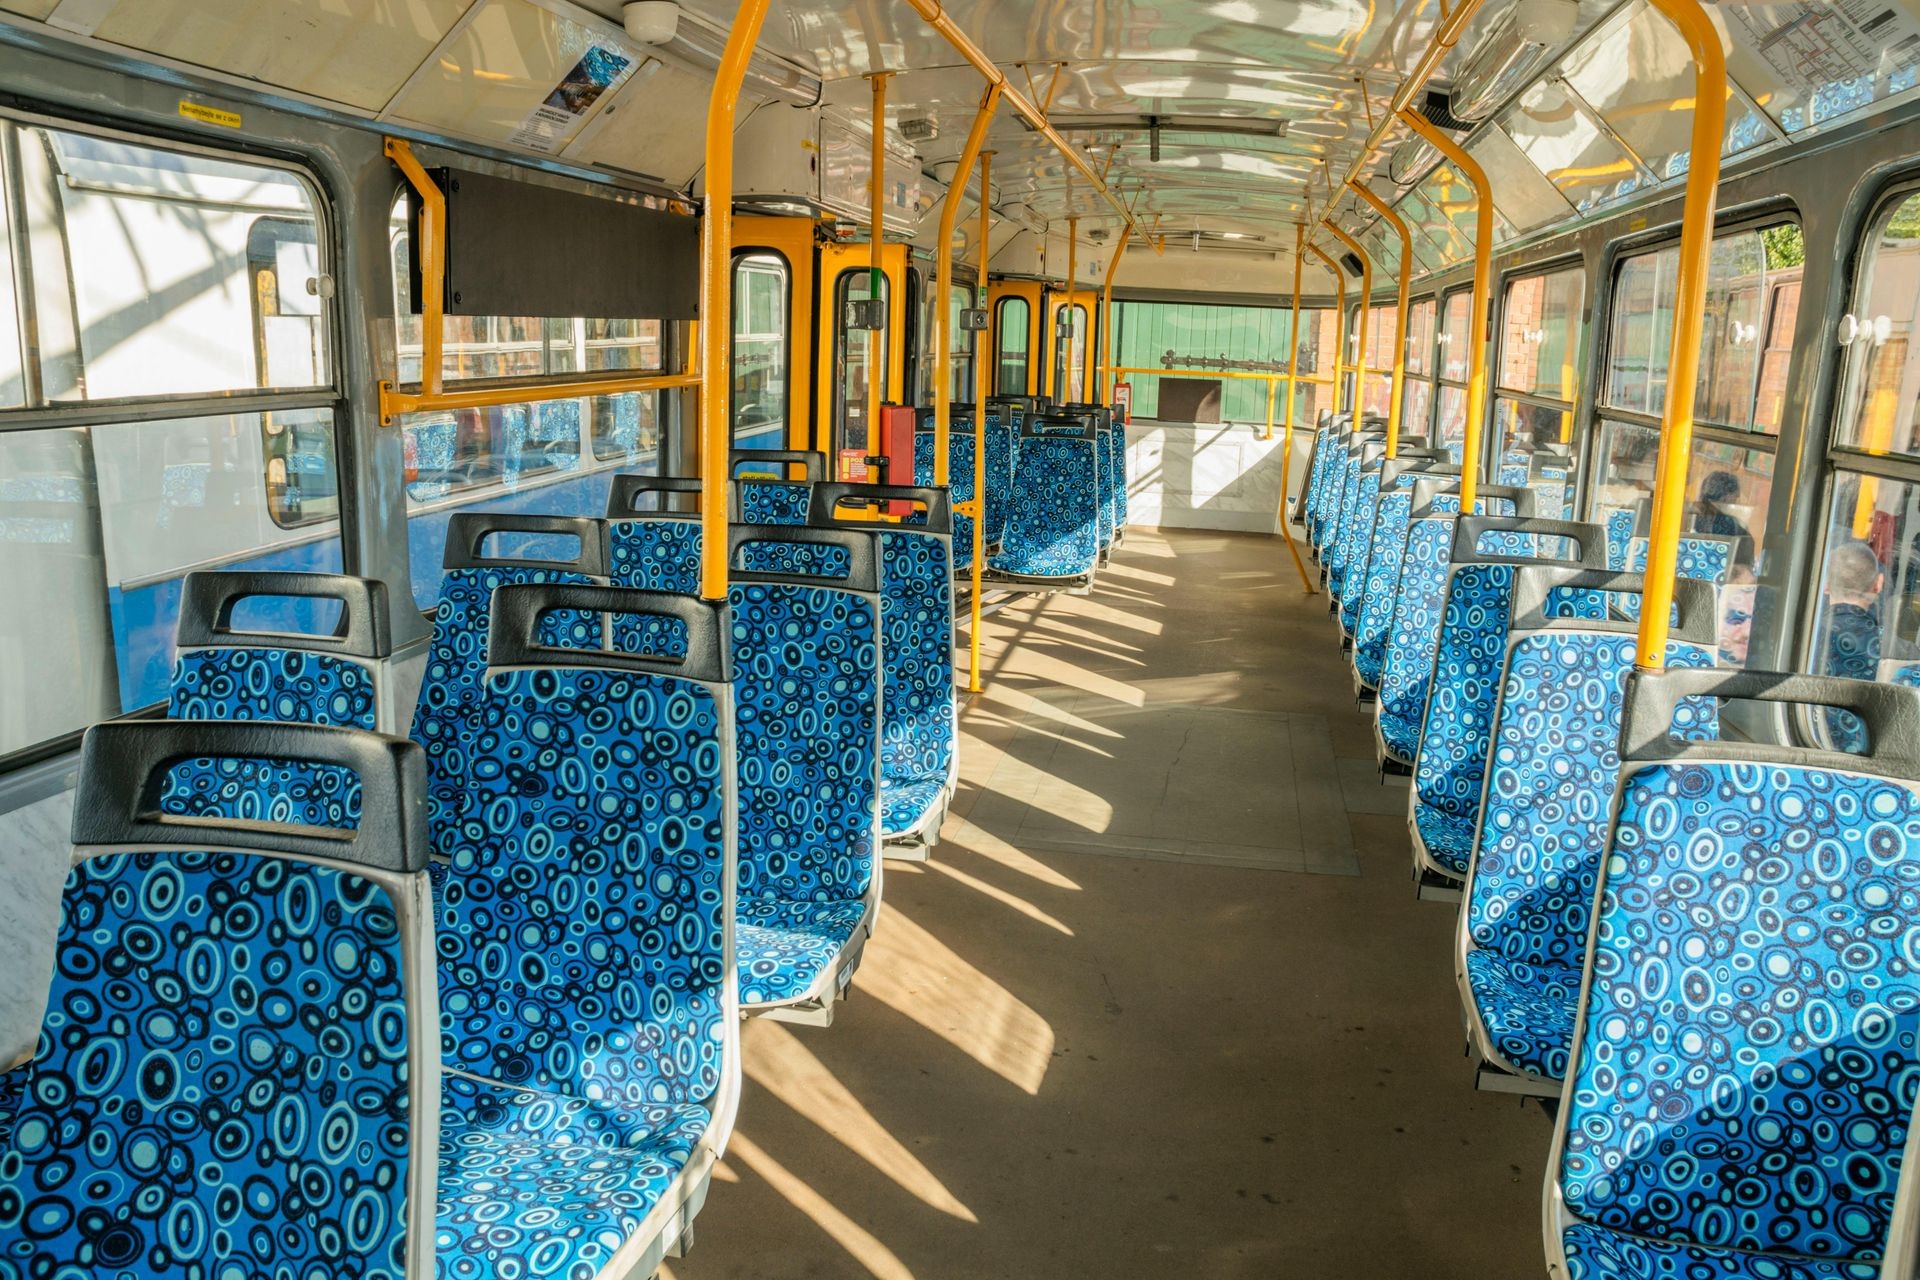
point(1416, 409)
point(161, 275)
point(852, 387)
point(1450, 430)
point(1012, 328)
point(762, 297)
point(1867, 613)
point(1533, 404)
point(1383, 338)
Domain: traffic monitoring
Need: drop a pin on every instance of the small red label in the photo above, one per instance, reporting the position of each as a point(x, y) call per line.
point(853, 466)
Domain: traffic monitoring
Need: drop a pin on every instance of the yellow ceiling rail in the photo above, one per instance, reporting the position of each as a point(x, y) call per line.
point(1339, 323)
point(1482, 285)
point(876, 276)
point(716, 294)
point(943, 286)
point(1106, 322)
point(936, 17)
point(1396, 398)
point(1689, 315)
point(1366, 306)
point(1286, 434)
point(979, 504)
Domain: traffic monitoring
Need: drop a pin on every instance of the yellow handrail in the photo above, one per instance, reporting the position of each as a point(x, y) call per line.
point(1106, 316)
point(1482, 284)
point(1339, 325)
point(962, 44)
point(1366, 305)
point(716, 295)
point(876, 275)
point(943, 289)
point(433, 272)
point(1396, 398)
point(1286, 435)
point(1689, 315)
point(981, 352)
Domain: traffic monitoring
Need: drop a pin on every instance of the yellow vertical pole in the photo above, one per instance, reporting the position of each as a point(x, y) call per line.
point(1689, 315)
point(943, 287)
point(1339, 324)
point(876, 275)
point(1286, 435)
point(1073, 265)
point(1397, 398)
point(1366, 305)
point(980, 357)
point(1482, 285)
point(1106, 324)
point(716, 295)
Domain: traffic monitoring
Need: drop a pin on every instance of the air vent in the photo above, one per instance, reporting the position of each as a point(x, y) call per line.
point(1352, 263)
point(1437, 107)
point(919, 130)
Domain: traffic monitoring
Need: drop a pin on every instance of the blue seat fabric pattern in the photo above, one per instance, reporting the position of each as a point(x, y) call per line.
point(807, 692)
point(1413, 635)
point(1359, 540)
point(916, 700)
point(1315, 500)
point(1553, 762)
point(1103, 484)
point(1116, 438)
point(1000, 455)
point(959, 482)
point(530, 1177)
point(1382, 585)
point(451, 693)
point(653, 554)
point(1596, 1254)
point(1747, 1073)
point(1053, 522)
point(221, 1079)
point(242, 683)
point(774, 501)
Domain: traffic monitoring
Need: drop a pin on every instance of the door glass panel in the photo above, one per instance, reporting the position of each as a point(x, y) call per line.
point(1012, 331)
point(853, 352)
point(761, 303)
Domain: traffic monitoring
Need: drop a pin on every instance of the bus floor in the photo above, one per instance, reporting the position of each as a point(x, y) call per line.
point(1163, 1002)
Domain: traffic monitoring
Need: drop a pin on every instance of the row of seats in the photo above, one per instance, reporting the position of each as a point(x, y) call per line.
point(1693, 939)
point(1056, 501)
point(319, 986)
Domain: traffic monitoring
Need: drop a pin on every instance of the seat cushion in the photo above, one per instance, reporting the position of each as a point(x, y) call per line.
point(1595, 1253)
point(905, 802)
point(782, 946)
point(536, 1183)
point(1448, 837)
point(1527, 1009)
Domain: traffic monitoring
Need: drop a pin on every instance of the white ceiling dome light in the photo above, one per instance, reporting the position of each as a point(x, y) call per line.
point(651, 22)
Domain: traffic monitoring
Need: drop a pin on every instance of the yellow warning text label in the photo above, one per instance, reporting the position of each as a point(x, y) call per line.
point(209, 115)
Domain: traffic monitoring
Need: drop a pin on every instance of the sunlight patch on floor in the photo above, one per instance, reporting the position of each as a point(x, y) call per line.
point(922, 979)
point(1001, 896)
point(879, 1261)
point(787, 1069)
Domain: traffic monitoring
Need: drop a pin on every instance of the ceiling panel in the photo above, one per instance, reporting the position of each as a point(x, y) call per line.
point(358, 52)
point(1520, 190)
point(37, 9)
point(1566, 144)
point(509, 60)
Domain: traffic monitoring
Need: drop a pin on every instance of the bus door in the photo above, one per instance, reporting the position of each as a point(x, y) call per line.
point(841, 421)
point(1015, 310)
point(771, 383)
point(1070, 345)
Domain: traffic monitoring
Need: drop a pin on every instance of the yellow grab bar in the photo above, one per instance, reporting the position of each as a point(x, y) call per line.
point(716, 295)
point(943, 289)
point(1396, 399)
point(1482, 284)
point(1689, 316)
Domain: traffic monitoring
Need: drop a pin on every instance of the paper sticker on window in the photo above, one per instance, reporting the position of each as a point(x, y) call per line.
point(552, 124)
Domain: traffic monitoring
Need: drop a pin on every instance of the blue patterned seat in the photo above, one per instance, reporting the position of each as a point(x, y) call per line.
point(1053, 521)
point(1554, 756)
point(334, 676)
point(450, 711)
point(959, 481)
point(1468, 657)
point(1117, 494)
point(1386, 552)
point(586, 995)
point(808, 687)
point(1356, 506)
point(1745, 1067)
point(1413, 630)
point(1325, 459)
point(234, 1073)
point(1707, 558)
point(767, 493)
point(1342, 492)
point(919, 728)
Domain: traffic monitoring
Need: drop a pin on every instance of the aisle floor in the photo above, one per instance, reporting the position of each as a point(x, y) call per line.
point(1163, 1003)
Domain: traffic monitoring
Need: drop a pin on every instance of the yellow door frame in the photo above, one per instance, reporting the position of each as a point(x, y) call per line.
point(832, 262)
point(793, 240)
